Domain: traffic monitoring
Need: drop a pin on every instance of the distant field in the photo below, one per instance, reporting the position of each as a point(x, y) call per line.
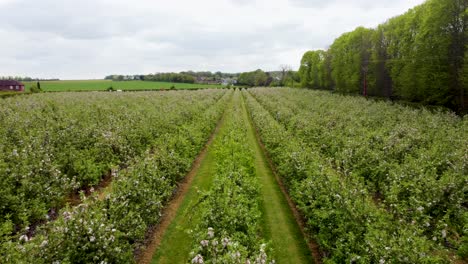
point(99, 85)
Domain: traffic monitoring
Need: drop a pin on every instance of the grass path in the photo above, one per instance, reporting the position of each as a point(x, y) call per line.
point(279, 221)
point(175, 243)
point(279, 224)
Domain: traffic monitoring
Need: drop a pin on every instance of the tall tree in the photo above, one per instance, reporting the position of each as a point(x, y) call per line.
point(314, 70)
point(402, 61)
point(378, 64)
point(255, 78)
point(350, 59)
point(456, 26)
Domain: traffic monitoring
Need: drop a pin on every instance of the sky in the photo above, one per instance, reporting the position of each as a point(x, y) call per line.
point(89, 39)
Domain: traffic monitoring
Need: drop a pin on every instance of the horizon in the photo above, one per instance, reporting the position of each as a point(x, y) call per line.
point(55, 41)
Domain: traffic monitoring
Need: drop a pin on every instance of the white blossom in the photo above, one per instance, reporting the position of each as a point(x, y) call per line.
point(67, 215)
point(225, 242)
point(44, 243)
point(198, 259)
point(210, 232)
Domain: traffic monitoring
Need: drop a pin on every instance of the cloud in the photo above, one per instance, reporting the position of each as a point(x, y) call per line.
point(363, 4)
point(92, 38)
point(84, 19)
point(242, 2)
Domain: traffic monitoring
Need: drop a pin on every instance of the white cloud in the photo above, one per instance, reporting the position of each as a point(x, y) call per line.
point(92, 38)
point(363, 4)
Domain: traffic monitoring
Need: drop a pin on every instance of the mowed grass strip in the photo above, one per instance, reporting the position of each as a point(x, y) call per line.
point(102, 85)
point(176, 242)
point(279, 223)
point(280, 226)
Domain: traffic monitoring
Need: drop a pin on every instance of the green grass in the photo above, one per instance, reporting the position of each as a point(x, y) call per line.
point(278, 220)
point(101, 85)
point(176, 243)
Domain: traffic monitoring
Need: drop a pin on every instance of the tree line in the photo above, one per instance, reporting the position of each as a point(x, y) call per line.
point(181, 77)
point(170, 77)
point(420, 56)
point(26, 78)
point(157, 77)
point(284, 77)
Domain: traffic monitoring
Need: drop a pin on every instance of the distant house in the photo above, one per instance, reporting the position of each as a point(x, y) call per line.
point(228, 81)
point(11, 86)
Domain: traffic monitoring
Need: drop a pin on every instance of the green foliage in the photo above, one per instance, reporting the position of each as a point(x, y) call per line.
point(350, 55)
point(378, 70)
point(170, 77)
point(418, 56)
point(314, 71)
point(35, 89)
point(255, 78)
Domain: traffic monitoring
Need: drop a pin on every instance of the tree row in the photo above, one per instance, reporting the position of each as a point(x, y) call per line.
point(418, 57)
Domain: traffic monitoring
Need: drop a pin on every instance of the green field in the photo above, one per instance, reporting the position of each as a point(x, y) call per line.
point(100, 85)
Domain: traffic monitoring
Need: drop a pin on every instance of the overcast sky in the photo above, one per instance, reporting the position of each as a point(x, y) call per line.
point(81, 39)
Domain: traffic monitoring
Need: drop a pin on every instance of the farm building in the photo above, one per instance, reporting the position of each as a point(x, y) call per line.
point(12, 86)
